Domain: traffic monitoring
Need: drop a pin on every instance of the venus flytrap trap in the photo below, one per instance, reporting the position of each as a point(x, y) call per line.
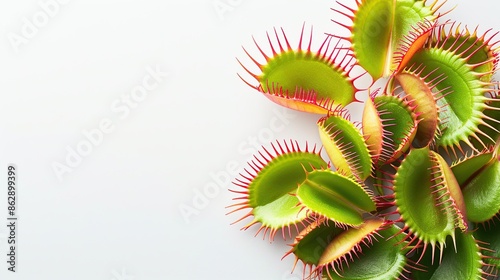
point(274, 207)
point(413, 190)
point(304, 80)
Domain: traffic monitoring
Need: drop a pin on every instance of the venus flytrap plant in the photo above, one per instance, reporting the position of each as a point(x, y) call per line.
point(423, 96)
point(482, 192)
point(427, 199)
point(393, 28)
point(466, 64)
point(462, 258)
point(413, 190)
point(398, 126)
point(304, 80)
point(378, 259)
point(345, 146)
point(335, 197)
point(268, 186)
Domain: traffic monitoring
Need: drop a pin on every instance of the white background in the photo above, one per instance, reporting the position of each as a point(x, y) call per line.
point(116, 215)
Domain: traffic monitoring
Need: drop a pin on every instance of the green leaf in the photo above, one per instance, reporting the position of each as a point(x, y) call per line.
point(302, 79)
point(461, 259)
point(373, 23)
point(482, 193)
point(335, 197)
point(462, 102)
point(312, 241)
point(373, 130)
point(345, 244)
point(345, 146)
point(269, 190)
point(382, 259)
point(466, 168)
point(381, 29)
point(398, 126)
point(447, 186)
point(417, 195)
point(420, 93)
